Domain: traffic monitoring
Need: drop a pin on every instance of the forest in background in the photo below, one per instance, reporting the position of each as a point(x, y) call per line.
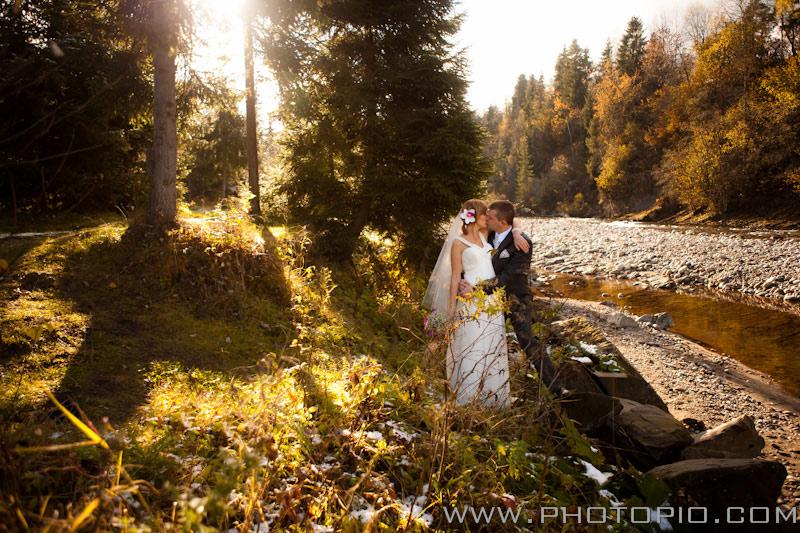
point(703, 115)
point(76, 96)
point(110, 115)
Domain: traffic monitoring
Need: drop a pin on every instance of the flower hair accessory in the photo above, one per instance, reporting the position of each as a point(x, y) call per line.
point(468, 216)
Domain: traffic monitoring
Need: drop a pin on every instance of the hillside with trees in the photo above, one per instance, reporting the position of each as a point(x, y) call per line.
point(703, 117)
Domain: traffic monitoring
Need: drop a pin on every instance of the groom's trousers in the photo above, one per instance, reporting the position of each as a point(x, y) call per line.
point(520, 311)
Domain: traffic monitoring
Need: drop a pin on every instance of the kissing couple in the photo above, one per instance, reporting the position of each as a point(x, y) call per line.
point(485, 249)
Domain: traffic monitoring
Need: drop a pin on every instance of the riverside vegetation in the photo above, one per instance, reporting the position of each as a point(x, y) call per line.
point(217, 377)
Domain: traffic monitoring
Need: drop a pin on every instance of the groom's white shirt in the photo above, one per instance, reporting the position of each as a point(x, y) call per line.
point(499, 237)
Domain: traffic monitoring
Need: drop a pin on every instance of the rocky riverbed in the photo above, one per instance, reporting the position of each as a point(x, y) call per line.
point(761, 264)
point(697, 383)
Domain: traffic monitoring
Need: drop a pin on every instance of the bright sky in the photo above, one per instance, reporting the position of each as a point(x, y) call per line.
point(503, 39)
point(506, 38)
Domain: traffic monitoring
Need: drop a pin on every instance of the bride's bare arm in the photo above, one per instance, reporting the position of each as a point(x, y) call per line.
point(455, 276)
point(520, 242)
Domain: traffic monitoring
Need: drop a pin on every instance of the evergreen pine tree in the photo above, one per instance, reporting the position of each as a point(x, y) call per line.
point(376, 124)
point(631, 49)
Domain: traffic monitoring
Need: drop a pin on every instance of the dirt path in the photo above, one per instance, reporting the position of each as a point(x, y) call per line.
point(698, 383)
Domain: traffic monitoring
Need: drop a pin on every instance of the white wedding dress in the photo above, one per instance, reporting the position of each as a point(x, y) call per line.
point(477, 356)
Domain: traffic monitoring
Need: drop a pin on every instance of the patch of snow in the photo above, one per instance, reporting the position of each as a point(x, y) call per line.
point(364, 515)
point(660, 519)
point(415, 507)
point(374, 435)
point(400, 433)
point(594, 473)
point(610, 496)
point(589, 348)
point(582, 359)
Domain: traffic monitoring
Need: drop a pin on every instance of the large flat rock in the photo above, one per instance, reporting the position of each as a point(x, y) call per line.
point(718, 484)
point(591, 411)
point(650, 435)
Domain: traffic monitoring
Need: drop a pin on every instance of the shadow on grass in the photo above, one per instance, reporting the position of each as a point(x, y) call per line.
point(148, 298)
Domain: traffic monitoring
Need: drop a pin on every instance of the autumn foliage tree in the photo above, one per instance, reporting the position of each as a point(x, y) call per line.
point(706, 115)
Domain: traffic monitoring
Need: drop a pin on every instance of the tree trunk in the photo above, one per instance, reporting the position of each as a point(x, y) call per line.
point(13, 202)
point(252, 141)
point(163, 192)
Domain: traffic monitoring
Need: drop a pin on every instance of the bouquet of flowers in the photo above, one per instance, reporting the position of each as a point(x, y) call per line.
point(435, 324)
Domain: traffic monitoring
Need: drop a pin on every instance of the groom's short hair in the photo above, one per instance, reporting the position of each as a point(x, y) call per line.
point(504, 210)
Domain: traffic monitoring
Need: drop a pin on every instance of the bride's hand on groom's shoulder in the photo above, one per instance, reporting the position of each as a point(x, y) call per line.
point(520, 242)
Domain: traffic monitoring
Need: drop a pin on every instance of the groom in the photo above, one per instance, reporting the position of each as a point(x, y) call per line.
point(511, 267)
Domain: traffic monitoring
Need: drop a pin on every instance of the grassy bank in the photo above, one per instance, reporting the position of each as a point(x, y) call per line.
point(218, 380)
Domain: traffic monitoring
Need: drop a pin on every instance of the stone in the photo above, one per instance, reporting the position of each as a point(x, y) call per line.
point(658, 320)
point(737, 438)
point(628, 384)
point(654, 435)
point(590, 411)
point(577, 378)
point(694, 424)
point(718, 484)
point(621, 321)
point(664, 283)
point(664, 321)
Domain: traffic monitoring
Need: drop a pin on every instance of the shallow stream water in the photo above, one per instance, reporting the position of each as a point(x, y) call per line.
point(764, 339)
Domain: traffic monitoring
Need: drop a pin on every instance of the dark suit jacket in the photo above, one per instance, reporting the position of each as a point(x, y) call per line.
point(512, 271)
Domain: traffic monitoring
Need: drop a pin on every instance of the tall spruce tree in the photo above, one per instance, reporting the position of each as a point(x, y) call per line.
point(631, 49)
point(376, 125)
point(573, 68)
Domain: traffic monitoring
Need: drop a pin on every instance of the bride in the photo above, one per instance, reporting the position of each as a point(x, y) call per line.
point(477, 354)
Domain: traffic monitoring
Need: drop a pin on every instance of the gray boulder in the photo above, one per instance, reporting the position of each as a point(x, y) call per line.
point(737, 438)
point(653, 435)
point(621, 321)
point(718, 484)
point(577, 378)
point(591, 411)
point(658, 320)
point(628, 384)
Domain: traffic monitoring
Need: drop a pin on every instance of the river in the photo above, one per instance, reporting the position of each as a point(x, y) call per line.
point(761, 332)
